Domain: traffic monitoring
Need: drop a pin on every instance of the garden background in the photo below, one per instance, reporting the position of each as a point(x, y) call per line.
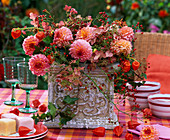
point(152, 14)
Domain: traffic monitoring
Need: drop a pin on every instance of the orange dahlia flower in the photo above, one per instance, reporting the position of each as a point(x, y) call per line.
point(86, 33)
point(122, 47)
point(135, 6)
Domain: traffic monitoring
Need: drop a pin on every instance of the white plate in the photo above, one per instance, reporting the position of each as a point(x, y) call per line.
point(40, 137)
point(40, 131)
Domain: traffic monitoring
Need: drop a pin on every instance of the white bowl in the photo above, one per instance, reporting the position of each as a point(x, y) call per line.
point(142, 93)
point(160, 105)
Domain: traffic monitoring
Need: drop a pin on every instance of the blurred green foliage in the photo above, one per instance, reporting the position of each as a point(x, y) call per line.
point(147, 13)
point(84, 7)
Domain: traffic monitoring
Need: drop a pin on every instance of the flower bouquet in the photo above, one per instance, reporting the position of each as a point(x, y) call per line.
point(87, 61)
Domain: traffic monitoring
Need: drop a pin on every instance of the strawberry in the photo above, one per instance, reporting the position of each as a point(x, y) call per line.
point(99, 131)
point(23, 130)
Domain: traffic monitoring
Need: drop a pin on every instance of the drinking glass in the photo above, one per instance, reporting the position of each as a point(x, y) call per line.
point(27, 81)
point(11, 76)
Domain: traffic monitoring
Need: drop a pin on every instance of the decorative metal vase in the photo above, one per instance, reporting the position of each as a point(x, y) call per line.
point(92, 108)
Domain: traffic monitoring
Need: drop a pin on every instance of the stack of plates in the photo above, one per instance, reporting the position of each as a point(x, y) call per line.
point(40, 131)
point(142, 93)
point(160, 105)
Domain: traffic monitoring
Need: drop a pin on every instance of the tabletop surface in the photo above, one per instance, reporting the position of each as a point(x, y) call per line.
point(74, 134)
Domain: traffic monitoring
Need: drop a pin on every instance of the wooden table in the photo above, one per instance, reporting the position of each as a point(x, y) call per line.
point(72, 134)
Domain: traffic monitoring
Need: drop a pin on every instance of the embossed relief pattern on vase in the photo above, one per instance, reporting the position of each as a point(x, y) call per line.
point(89, 104)
point(93, 108)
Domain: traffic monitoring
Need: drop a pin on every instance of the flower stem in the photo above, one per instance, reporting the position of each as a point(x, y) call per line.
point(13, 92)
point(27, 99)
point(28, 28)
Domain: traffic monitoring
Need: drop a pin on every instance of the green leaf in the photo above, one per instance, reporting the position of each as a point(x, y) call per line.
point(25, 21)
point(63, 58)
point(36, 120)
point(52, 109)
point(43, 116)
point(77, 61)
point(69, 100)
point(37, 50)
point(143, 82)
point(63, 121)
point(48, 114)
point(38, 115)
point(33, 116)
point(47, 40)
point(136, 84)
point(161, 4)
point(144, 75)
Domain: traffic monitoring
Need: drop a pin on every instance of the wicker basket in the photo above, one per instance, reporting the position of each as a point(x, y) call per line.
point(151, 43)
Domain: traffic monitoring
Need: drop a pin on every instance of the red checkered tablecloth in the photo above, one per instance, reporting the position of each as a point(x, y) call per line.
point(73, 134)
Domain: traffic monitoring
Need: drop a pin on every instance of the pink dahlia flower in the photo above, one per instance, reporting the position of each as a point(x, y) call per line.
point(62, 36)
point(81, 49)
point(122, 47)
point(86, 33)
point(126, 33)
point(38, 64)
point(29, 44)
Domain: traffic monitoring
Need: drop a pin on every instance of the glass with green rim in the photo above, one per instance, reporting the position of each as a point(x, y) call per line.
point(27, 81)
point(11, 76)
